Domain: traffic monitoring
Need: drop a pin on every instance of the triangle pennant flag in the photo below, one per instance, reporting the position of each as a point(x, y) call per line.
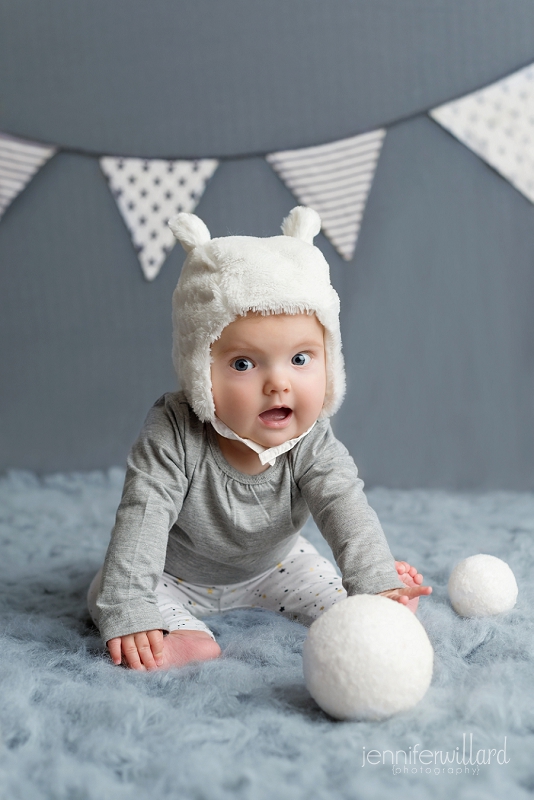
point(335, 180)
point(150, 191)
point(19, 161)
point(497, 123)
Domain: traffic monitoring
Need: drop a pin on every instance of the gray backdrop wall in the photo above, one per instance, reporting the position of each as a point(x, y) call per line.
point(436, 304)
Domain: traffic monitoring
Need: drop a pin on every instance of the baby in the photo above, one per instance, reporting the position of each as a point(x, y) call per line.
point(225, 472)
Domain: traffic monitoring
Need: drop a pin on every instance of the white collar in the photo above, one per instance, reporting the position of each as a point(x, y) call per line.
point(267, 455)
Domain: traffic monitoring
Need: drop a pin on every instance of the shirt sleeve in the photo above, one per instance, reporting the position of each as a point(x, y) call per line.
point(327, 477)
point(153, 493)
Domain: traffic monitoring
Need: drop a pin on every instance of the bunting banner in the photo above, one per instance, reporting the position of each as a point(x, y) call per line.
point(335, 180)
point(19, 161)
point(150, 191)
point(497, 123)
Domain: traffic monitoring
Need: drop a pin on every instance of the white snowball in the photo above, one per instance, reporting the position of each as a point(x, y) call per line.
point(367, 657)
point(482, 585)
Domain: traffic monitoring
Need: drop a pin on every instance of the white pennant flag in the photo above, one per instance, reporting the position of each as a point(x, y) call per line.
point(335, 180)
point(497, 123)
point(150, 191)
point(19, 161)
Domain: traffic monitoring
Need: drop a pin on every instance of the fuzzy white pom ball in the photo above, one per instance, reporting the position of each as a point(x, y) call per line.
point(482, 585)
point(367, 657)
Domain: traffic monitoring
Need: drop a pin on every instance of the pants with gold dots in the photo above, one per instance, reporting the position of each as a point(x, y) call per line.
point(300, 587)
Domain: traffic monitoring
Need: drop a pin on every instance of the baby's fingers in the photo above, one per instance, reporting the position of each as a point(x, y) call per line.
point(416, 591)
point(406, 594)
point(144, 650)
point(114, 647)
point(155, 639)
point(403, 568)
point(130, 651)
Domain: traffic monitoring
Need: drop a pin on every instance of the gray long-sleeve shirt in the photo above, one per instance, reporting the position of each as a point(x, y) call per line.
point(187, 511)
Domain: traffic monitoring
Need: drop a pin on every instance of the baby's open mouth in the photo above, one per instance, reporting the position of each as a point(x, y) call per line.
point(275, 414)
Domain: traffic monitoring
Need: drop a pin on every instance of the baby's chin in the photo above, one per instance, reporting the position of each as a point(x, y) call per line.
point(274, 437)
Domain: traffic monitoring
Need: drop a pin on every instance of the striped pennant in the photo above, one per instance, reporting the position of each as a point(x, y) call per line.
point(497, 123)
point(335, 180)
point(19, 161)
point(150, 191)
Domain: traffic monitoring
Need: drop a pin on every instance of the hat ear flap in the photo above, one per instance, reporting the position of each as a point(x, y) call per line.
point(302, 223)
point(190, 230)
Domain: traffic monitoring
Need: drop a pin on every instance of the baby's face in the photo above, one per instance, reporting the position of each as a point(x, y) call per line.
point(269, 376)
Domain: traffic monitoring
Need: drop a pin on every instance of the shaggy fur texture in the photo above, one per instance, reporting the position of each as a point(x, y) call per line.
point(74, 727)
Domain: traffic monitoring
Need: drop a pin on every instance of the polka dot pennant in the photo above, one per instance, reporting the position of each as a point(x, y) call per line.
point(497, 123)
point(335, 179)
point(19, 161)
point(150, 191)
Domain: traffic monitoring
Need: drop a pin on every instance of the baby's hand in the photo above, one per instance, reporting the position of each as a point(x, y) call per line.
point(140, 651)
point(413, 580)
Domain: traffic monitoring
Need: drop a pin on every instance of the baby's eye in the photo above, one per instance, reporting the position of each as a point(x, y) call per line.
point(242, 364)
point(301, 359)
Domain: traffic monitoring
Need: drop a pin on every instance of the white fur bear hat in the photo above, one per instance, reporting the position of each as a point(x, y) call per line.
point(227, 277)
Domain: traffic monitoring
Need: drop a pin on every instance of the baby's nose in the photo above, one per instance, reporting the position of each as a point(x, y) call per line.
point(277, 381)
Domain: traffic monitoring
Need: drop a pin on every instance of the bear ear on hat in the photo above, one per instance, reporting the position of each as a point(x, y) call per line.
point(190, 231)
point(302, 223)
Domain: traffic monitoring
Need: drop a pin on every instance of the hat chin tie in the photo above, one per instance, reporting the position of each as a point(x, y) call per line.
point(267, 455)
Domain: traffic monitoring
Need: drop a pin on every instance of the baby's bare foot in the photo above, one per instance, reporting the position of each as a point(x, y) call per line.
point(181, 647)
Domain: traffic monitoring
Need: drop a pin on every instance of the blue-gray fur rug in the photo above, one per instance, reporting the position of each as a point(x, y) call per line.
point(75, 727)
